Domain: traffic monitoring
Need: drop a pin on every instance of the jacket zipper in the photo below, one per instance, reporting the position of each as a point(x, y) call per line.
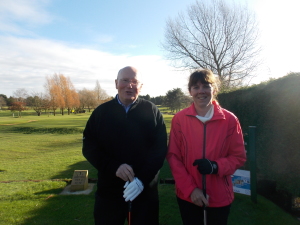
point(203, 154)
point(204, 141)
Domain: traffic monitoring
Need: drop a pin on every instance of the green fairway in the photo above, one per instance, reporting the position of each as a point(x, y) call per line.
point(38, 155)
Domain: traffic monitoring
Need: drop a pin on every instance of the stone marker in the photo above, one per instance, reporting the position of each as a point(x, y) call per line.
point(79, 180)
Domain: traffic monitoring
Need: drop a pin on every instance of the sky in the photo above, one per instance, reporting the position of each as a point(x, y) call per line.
point(91, 40)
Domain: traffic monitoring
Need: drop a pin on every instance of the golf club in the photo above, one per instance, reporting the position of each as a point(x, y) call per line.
point(204, 181)
point(204, 193)
point(129, 212)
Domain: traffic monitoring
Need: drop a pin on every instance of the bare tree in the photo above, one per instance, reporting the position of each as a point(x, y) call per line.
point(218, 36)
point(20, 94)
point(37, 102)
point(101, 94)
point(88, 99)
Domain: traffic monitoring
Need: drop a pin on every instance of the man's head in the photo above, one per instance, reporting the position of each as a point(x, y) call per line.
point(128, 85)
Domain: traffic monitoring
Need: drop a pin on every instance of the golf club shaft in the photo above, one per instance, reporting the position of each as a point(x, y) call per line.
point(204, 193)
point(204, 177)
point(129, 212)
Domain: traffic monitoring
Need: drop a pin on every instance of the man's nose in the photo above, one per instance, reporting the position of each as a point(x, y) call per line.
point(129, 85)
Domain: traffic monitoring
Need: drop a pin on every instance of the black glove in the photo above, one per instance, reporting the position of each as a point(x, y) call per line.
point(206, 166)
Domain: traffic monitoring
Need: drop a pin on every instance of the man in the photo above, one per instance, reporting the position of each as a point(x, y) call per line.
point(125, 140)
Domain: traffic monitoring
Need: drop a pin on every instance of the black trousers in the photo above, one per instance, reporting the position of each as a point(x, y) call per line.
point(192, 214)
point(111, 210)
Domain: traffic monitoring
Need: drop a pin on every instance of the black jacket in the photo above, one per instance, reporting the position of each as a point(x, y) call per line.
point(113, 137)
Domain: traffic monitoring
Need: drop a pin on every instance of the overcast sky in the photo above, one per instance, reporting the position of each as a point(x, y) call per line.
point(91, 40)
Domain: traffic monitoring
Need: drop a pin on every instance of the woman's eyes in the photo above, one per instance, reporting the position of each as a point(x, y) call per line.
point(204, 86)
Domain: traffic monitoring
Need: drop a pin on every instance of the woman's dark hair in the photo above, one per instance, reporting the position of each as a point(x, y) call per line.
point(205, 76)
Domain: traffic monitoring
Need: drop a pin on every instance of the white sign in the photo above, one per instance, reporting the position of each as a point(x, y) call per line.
point(241, 182)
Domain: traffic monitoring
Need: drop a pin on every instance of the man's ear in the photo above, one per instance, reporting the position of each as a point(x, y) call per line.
point(116, 82)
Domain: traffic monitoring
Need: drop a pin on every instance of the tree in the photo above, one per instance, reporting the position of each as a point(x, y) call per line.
point(158, 100)
point(17, 106)
point(61, 93)
point(75, 102)
point(146, 97)
point(37, 102)
point(54, 93)
point(2, 101)
point(176, 100)
point(20, 94)
point(88, 99)
point(10, 100)
point(70, 96)
point(101, 94)
point(218, 36)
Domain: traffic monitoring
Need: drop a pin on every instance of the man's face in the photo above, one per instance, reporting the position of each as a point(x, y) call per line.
point(128, 85)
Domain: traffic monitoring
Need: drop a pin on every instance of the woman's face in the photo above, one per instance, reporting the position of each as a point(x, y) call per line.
point(202, 94)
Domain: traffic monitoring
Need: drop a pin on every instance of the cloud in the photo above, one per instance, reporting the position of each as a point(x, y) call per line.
point(16, 15)
point(30, 11)
point(25, 63)
point(26, 58)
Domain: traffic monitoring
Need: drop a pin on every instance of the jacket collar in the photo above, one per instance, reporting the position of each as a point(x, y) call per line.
point(218, 113)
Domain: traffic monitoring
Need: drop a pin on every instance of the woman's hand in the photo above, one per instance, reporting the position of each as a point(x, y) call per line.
point(198, 198)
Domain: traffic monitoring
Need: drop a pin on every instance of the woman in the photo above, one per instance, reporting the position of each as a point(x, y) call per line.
point(206, 147)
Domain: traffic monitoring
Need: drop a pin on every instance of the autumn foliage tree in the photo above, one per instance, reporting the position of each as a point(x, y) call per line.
point(69, 94)
point(61, 93)
point(18, 106)
point(54, 93)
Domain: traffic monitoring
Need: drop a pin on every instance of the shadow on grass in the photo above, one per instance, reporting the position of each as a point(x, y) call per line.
point(64, 209)
point(78, 209)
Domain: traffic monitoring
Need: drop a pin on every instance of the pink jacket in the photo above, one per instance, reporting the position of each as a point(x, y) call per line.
point(223, 143)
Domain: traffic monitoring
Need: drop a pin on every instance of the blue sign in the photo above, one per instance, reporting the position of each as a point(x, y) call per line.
point(241, 182)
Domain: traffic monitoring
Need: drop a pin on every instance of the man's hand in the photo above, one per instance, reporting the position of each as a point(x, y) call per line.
point(206, 166)
point(198, 198)
point(133, 189)
point(125, 172)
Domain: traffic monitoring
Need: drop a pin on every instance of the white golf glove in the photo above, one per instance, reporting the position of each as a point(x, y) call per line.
point(132, 189)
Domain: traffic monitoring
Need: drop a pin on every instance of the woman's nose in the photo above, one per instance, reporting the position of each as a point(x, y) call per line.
point(201, 89)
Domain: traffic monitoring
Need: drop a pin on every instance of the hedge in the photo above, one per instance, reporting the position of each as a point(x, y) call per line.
point(274, 108)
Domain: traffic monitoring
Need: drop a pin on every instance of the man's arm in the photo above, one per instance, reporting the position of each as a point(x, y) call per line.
point(92, 149)
point(157, 154)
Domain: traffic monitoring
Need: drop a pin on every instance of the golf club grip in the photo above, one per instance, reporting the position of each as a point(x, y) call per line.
point(204, 185)
point(129, 206)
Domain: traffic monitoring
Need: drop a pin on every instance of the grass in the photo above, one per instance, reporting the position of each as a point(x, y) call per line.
point(38, 157)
